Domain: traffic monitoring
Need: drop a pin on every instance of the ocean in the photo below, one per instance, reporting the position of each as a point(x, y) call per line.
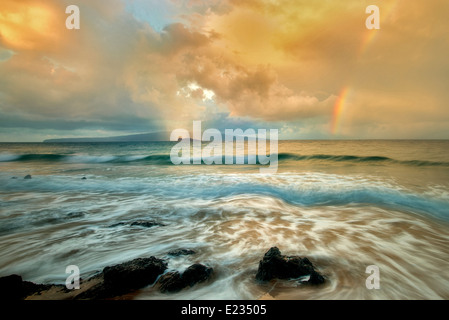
point(345, 205)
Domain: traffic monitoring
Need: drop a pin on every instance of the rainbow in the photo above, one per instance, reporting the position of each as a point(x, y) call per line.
point(368, 39)
point(387, 10)
point(338, 110)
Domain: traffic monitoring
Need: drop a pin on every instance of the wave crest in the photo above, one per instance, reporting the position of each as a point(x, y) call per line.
point(164, 159)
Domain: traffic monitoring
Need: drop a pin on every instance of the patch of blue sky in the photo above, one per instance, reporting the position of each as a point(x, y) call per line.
point(5, 54)
point(157, 13)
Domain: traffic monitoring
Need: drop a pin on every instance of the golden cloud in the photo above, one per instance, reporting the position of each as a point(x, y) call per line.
point(282, 61)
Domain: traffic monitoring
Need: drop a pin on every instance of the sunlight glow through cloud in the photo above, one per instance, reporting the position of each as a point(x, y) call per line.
point(142, 66)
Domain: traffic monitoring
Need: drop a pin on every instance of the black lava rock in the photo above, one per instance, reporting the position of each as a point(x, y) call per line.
point(316, 278)
point(14, 288)
point(131, 275)
point(275, 265)
point(175, 282)
point(196, 273)
point(11, 287)
point(28, 176)
point(171, 282)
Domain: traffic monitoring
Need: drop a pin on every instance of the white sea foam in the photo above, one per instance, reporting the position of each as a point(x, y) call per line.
point(6, 157)
point(343, 216)
point(89, 158)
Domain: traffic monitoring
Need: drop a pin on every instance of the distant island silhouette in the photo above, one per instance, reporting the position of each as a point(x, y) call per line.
point(162, 136)
point(154, 136)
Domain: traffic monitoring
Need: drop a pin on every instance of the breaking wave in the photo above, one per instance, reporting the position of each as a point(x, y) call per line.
point(164, 159)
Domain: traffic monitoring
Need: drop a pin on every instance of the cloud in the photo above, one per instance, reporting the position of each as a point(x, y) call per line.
point(271, 63)
point(66, 78)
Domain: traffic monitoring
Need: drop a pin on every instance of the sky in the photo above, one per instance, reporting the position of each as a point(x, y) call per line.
point(308, 68)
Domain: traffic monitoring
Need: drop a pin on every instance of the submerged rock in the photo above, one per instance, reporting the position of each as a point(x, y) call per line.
point(83, 178)
point(172, 282)
point(28, 176)
point(145, 223)
point(117, 224)
point(138, 223)
point(274, 265)
point(181, 252)
point(76, 214)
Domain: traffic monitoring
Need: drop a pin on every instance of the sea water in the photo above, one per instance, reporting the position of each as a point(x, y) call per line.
point(345, 205)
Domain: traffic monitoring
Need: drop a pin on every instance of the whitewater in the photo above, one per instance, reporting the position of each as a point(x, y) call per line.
point(343, 204)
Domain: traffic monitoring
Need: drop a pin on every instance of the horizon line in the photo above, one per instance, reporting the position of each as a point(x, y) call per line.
point(302, 139)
